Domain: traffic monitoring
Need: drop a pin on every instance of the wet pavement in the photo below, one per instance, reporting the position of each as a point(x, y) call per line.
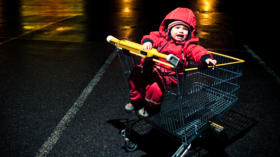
point(50, 51)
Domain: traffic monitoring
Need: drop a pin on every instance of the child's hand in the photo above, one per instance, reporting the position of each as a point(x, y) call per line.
point(212, 62)
point(147, 46)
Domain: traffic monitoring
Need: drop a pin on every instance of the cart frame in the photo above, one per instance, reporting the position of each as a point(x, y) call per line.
point(201, 95)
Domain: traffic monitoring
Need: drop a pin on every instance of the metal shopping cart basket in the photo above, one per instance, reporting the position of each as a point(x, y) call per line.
point(201, 94)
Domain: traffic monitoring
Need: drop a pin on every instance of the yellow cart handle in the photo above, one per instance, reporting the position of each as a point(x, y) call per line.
point(136, 48)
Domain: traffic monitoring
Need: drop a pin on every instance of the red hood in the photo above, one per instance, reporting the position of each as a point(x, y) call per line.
point(181, 14)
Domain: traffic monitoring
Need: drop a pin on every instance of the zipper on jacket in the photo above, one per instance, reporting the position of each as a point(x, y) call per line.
point(159, 50)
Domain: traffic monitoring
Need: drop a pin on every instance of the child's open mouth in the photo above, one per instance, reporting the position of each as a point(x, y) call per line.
point(180, 36)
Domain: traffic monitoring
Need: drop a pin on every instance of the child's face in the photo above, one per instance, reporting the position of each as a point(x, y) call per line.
point(179, 32)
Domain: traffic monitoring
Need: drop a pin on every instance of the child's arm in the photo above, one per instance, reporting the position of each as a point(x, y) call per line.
point(153, 40)
point(199, 55)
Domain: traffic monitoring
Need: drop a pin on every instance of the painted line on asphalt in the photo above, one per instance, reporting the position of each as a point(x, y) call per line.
point(261, 62)
point(71, 113)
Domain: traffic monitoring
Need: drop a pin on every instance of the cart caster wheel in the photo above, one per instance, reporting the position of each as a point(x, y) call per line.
point(130, 146)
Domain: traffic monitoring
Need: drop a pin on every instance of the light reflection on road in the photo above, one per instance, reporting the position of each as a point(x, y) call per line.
point(126, 18)
point(29, 15)
point(37, 14)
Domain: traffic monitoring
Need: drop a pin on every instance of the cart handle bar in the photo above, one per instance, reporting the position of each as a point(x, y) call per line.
point(136, 49)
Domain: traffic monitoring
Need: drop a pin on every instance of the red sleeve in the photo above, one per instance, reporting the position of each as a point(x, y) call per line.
point(194, 53)
point(154, 37)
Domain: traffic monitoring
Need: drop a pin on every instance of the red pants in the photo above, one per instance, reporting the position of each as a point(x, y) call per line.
point(146, 89)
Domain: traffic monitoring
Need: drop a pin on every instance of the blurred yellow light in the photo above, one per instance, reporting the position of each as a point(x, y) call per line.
point(206, 5)
point(63, 28)
point(28, 27)
point(207, 14)
point(203, 34)
point(126, 10)
point(127, 18)
point(31, 27)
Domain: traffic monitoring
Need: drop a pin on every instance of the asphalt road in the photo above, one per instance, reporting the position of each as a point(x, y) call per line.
point(62, 93)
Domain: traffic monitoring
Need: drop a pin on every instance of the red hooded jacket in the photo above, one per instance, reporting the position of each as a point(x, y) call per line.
point(186, 50)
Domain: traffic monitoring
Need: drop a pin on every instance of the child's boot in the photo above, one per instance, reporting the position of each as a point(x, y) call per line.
point(129, 107)
point(143, 112)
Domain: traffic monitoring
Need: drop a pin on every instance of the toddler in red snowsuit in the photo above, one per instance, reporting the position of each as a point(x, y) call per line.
point(175, 36)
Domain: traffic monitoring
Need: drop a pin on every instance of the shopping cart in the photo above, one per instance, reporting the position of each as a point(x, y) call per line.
point(186, 110)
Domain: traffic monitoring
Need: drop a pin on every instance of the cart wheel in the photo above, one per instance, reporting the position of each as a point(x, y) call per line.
point(130, 146)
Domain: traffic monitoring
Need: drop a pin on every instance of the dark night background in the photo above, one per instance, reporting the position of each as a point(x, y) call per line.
point(50, 50)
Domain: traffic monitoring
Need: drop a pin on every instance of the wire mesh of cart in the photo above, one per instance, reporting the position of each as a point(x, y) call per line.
point(200, 95)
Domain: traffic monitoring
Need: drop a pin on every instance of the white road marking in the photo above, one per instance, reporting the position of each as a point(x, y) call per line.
point(71, 113)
